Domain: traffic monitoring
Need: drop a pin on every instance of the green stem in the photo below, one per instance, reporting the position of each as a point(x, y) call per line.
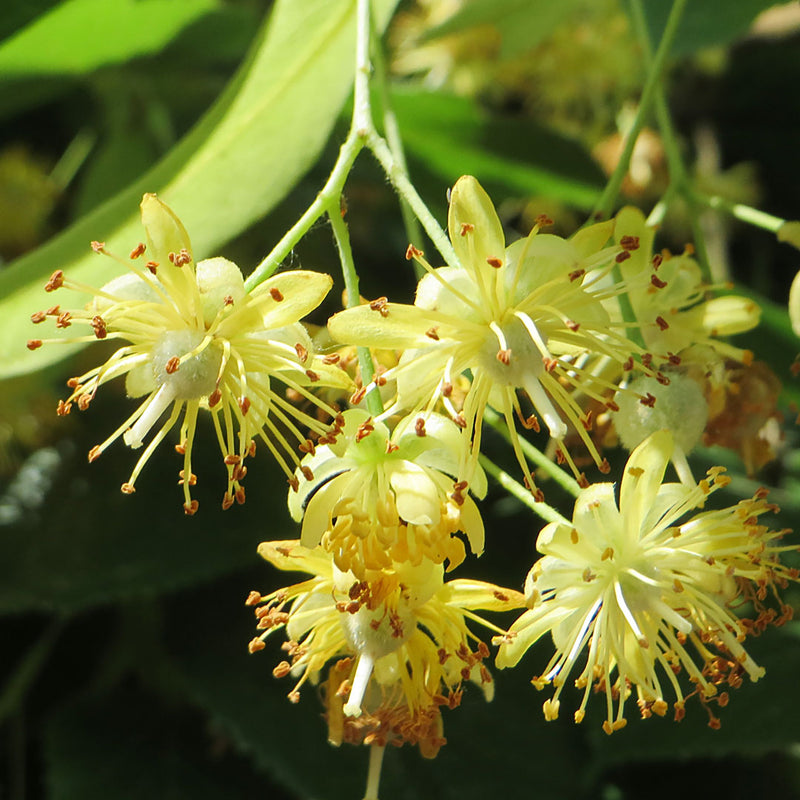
point(515, 488)
point(342, 237)
point(534, 455)
point(748, 214)
point(609, 197)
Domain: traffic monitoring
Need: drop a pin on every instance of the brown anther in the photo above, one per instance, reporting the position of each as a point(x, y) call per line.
point(62, 409)
point(137, 251)
point(282, 670)
point(244, 405)
point(56, 281)
point(333, 358)
point(662, 379)
point(607, 554)
point(152, 267)
point(255, 645)
point(227, 501)
point(419, 426)
point(240, 495)
point(611, 405)
point(214, 398)
point(587, 420)
point(657, 260)
point(301, 351)
point(239, 472)
point(180, 259)
point(365, 429)
point(190, 508)
point(307, 447)
point(380, 380)
point(312, 376)
point(503, 598)
point(294, 483)
point(127, 488)
point(98, 247)
point(673, 359)
point(64, 320)
point(560, 456)
point(275, 294)
point(99, 327)
point(391, 447)
point(662, 323)
point(38, 316)
point(227, 300)
point(460, 421)
point(432, 334)
point(504, 356)
point(94, 453)
point(657, 282)
point(466, 227)
point(604, 467)
point(648, 400)
point(83, 401)
point(73, 383)
point(628, 242)
point(677, 586)
point(251, 450)
point(583, 481)
point(494, 262)
point(358, 396)
point(575, 274)
point(253, 599)
point(447, 389)
point(379, 305)
point(549, 363)
point(543, 221)
point(172, 365)
point(192, 478)
point(413, 252)
point(232, 459)
point(180, 448)
point(307, 473)
point(647, 360)
point(34, 344)
point(623, 256)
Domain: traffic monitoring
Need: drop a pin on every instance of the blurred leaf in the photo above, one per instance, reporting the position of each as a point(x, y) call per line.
point(702, 24)
point(79, 36)
point(522, 24)
point(453, 137)
point(126, 746)
point(236, 164)
point(18, 13)
point(69, 539)
point(789, 232)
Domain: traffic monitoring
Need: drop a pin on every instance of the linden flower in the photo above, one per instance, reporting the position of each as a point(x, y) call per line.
point(516, 317)
point(635, 587)
point(378, 498)
point(669, 298)
point(405, 636)
point(194, 339)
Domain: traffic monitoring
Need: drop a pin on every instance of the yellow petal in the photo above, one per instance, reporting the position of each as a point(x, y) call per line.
point(293, 295)
point(642, 479)
point(165, 232)
point(398, 327)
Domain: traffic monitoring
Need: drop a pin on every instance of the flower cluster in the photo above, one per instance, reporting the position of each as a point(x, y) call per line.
point(590, 339)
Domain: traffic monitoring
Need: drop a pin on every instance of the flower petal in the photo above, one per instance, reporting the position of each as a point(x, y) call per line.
point(294, 294)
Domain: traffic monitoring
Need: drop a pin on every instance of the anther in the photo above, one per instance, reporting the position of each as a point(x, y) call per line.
point(578, 273)
point(190, 508)
point(419, 427)
point(307, 447)
point(62, 409)
point(623, 256)
point(657, 260)
point(549, 363)
point(152, 266)
point(244, 405)
point(301, 351)
point(629, 242)
point(312, 376)
point(494, 262)
point(648, 400)
point(504, 356)
point(214, 398)
point(333, 358)
point(391, 447)
point(127, 488)
point(137, 251)
point(572, 325)
point(38, 316)
point(240, 495)
point(64, 320)
point(307, 473)
point(466, 228)
point(99, 326)
point(432, 334)
point(34, 344)
point(413, 252)
point(94, 453)
point(657, 282)
point(56, 281)
point(98, 247)
point(275, 294)
point(543, 221)
point(379, 305)
point(662, 323)
point(227, 501)
point(172, 365)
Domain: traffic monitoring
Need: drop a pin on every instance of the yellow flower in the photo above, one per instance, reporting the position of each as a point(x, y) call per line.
point(669, 298)
point(193, 338)
point(405, 636)
point(517, 317)
point(377, 498)
point(649, 597)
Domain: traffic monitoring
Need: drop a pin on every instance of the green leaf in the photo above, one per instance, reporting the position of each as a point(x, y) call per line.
point(703, 24)
point(240, 160)
point(79, 36)
point(70, 540)
point(453, 137)
point(522, 24)
point(128, 746)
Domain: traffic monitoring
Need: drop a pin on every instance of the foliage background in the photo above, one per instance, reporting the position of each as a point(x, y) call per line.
point(125, 671)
